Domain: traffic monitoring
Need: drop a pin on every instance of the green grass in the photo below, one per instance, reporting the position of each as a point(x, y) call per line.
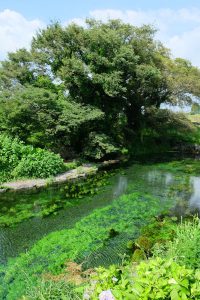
point(184, 248)
point(52, 290)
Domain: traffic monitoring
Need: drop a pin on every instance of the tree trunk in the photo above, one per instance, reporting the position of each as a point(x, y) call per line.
point(134, 117)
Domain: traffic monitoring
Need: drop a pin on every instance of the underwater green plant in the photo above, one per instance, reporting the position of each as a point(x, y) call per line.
point(127, 214)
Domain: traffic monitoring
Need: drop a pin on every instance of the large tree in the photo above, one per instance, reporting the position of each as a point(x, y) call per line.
point(111, 71)
point(114, 66)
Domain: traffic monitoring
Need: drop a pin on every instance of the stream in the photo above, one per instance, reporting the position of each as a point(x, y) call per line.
point(181, 191)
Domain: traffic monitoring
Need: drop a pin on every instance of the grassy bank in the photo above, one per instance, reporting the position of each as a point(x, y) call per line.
point(172, 271)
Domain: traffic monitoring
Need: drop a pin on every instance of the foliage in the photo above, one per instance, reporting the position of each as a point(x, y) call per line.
point(52, 290)
point(40, 117)
point(41, 164)
point(184, 248)
point(91, 239)
point(17, 70)
point(174, 276)
point(100, 146)
point(164, 130)
point(183, 80)
point(153, 279)
point(42, 205)
point(163, 120)
point(88, 186)
point(20, 161)
point(97, 91)
point(29, 113)
point(94, 90)
point(160, 231)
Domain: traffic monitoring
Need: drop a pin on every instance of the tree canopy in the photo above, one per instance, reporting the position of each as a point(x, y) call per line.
point(77, 83)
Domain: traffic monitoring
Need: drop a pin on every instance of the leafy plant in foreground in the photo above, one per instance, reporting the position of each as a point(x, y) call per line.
point(184, 248)
point(152, 279)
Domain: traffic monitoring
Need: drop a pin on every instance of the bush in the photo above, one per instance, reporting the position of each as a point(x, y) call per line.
point(165, 279)
point(100, 146)
point(18, 160)
point(40, 163)
point(152, 279)
point(173, 273)
point(184, 248)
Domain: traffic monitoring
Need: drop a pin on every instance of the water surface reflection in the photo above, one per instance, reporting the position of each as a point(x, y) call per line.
point(194, 201)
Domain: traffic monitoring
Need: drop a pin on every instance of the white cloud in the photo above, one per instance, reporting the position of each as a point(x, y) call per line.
point(187, 45)
point(16, 31)
point(161, 17)
point(78, 21)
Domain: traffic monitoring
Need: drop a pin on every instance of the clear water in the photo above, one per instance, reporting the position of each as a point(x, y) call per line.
point(183, 189)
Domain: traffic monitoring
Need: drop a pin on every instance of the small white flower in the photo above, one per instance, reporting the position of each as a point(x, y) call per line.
point(86, 296)
point(106, 295)
point(172, 281)
point(114, 279)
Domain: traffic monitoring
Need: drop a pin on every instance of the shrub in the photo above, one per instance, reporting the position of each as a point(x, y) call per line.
point(40, 163)
point(18, 160)
point(165, 279)
point(100, 146)
point(184, 248)
point(152, 279)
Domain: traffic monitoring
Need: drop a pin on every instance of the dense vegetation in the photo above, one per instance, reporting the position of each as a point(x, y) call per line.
point(130, 229)
point(96, 91)
point(18, 160)
point(172, 273)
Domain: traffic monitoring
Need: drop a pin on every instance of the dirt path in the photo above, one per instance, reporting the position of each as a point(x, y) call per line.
point(37, 183)
point(79, 172)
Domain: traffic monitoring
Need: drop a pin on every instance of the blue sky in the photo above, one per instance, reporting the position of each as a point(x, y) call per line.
point(47, 10)
point(178, 21)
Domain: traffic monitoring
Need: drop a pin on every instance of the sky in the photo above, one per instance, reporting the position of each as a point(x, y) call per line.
point(178, 22)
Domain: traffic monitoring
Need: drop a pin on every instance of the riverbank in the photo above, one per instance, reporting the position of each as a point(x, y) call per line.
point(79, 172)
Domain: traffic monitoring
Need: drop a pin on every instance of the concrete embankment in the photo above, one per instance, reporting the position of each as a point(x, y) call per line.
point(79, 172)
